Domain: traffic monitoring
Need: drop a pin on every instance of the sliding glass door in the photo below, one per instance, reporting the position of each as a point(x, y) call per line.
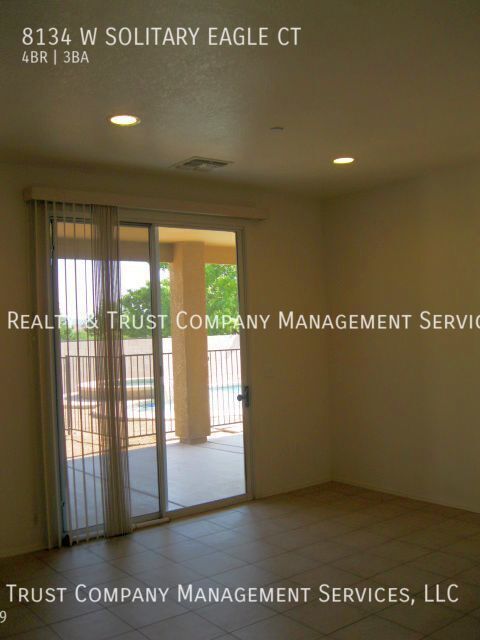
point(181, 365)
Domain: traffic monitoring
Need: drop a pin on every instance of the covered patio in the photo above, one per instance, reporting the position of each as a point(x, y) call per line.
point(196, 474)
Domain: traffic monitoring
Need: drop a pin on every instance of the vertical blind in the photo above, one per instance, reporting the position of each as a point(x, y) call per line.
point(110, 388)
point(77, 249)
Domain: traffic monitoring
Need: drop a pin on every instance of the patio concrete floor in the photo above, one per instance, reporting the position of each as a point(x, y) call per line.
point(196, 474)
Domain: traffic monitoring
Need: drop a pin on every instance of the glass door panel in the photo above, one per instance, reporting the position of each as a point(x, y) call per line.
point(81, 459)
point(203, 419)
point(139, 369)
point(76, 375)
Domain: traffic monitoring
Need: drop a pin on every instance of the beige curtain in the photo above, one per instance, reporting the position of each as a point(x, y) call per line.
point(110, 373)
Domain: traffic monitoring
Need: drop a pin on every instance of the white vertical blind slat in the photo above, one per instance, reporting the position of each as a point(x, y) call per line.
point(91, 377)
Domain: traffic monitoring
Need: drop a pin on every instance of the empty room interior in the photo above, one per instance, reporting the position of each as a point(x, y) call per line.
point(240, 335)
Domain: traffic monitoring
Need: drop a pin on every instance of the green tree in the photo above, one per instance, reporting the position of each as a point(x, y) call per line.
point(136, 307)
point(221, 294)
point(69, 333)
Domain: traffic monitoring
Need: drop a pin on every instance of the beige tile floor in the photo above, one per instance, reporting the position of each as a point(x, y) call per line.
point(333, 533)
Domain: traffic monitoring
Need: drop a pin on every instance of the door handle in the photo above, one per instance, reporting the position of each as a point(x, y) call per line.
point(245, 396)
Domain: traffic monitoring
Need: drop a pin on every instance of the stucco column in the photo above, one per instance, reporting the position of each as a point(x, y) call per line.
point(189, 346)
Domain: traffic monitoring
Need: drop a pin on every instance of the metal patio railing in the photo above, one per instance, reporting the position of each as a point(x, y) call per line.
point(79, 401)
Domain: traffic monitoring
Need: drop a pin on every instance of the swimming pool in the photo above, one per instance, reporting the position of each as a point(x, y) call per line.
point(224, 406)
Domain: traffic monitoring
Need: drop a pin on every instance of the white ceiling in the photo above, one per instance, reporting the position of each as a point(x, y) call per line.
point(394, 83)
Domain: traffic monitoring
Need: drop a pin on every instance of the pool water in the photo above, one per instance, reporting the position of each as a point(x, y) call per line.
point(224, 406)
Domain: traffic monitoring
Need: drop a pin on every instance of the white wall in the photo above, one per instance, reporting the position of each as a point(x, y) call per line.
point(405, 407)
point(287, 373)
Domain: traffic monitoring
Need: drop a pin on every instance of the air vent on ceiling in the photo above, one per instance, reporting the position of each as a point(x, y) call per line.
point(201, 164)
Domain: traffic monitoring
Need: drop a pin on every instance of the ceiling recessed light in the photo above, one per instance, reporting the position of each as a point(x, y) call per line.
point(343, 160)
point(125, 120)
